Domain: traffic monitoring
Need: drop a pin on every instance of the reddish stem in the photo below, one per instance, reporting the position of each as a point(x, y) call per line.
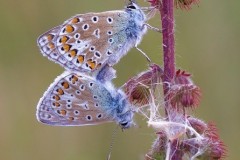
point(167, 18)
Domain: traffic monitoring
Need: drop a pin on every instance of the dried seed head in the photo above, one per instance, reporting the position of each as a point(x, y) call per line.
point(137, 88)
point(185, 4)
point(209, 146)
point(217, 149)
point(197, 124)
point(159, 147)
point(183, 91)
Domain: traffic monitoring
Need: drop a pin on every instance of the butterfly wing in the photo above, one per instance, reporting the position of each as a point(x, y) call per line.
point(85, 42)
point(69, 101)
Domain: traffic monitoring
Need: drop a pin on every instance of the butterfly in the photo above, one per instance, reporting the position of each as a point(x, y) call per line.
point(88, 42)
point(76, 99)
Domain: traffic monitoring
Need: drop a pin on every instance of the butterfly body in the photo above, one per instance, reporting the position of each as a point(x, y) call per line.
point(88, 42)
point(75, 99)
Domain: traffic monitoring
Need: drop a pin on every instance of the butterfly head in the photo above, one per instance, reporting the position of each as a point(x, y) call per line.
point(126, 120)
point(135, 11)
point(132, 4)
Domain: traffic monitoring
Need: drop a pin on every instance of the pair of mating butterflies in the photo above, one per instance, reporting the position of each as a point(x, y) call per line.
point(87, 45)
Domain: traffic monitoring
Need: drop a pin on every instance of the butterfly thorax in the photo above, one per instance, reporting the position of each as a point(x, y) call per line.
point(136, 22)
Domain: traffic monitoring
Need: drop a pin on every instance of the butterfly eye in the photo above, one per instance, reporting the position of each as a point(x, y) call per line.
point(131, 7)
point(124, 125)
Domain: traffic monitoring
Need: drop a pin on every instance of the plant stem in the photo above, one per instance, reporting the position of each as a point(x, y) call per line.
point(167, 19)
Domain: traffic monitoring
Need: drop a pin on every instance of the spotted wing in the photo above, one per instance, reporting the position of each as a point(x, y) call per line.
point(69, 101)
point(85, 42)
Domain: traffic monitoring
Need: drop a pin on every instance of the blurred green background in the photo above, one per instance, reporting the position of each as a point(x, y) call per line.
point(207, 45)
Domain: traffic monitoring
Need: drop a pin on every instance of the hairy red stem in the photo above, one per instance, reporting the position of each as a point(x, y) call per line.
point(167, 19)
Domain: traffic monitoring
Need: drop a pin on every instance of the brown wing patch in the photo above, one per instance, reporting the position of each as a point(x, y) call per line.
point(70, 43)
point(69, 101)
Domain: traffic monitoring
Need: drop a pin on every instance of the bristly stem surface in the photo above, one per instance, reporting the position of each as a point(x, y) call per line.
point(167, 18)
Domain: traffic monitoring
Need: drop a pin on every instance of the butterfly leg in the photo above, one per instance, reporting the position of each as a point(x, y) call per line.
point(152, 28)
point(148, 8)
point(145, 55)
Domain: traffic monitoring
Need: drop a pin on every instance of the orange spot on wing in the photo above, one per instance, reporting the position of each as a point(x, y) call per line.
point(75, 20)
point(65, 85)
point(64, 39)
point(50, 37)
point(66, 47)
point(91, 64)
point(63, 112)
point(51, 45)
point(56, 97)
point(73, 53)
point(71, 118)
point(80, 59)
point(74, 79)
point(60, 91)
point(56, 104)
point(69, 29)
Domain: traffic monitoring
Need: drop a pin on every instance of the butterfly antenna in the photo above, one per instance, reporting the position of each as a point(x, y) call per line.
point(112, 142)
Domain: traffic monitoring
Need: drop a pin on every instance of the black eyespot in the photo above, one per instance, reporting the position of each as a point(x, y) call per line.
point(131, 7)
point(97, 54)
point(85, 27)
point(109, 32)
point(94, 19)
point(76, 112)
point(99, 116)
point(86, 106)
point(110, 20)
point(124, 124)
point(89, 117)
point(109, 53)
point(82, 87)
point(92, 48)
point(77, 35)
point(119, 46)
point(110, 40)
